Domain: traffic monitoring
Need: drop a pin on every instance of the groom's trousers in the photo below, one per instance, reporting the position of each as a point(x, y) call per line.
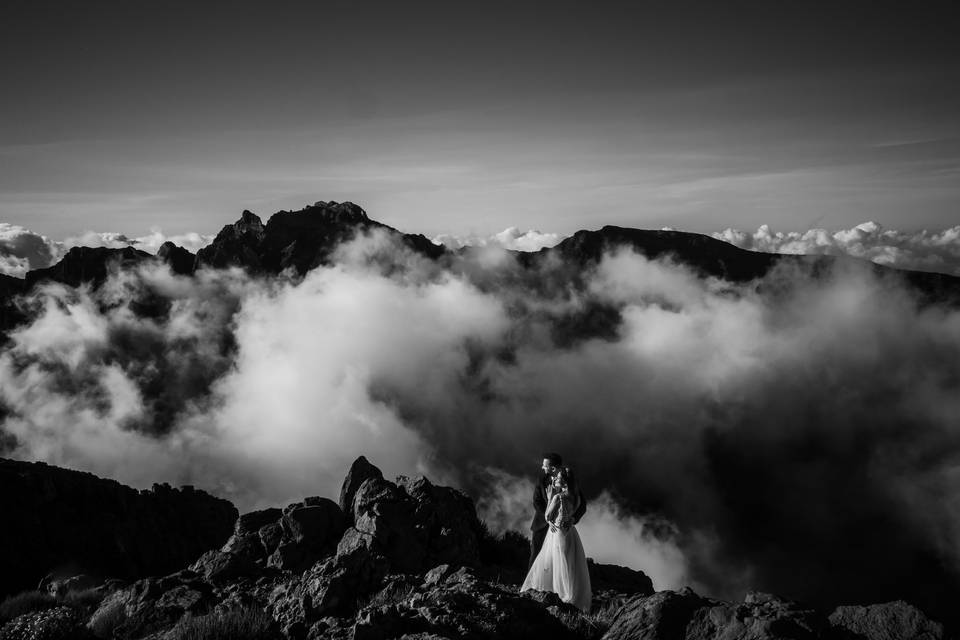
point(536, 541)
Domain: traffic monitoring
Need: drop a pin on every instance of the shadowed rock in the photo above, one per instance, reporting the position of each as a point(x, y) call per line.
point(237, 245)
point(380, 578)
point(61, 519)
point(890, 621)
point(88, 265)
point(759, 617)
point(359, 472)
point(179, 259)
point(661, 616)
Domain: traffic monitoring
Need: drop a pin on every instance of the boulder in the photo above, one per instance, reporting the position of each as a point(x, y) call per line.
point(306, 533)
point(155, 604)
point(623, 580)
point(360, 471)
point(446, 523)
point(889, 621)
point(255, 520)
point(219, 567)
point(384, 520)
point(59, 587)
point(271, 535)
point(316, 526)
point(661, 616)
point(57, 623)
point(759, 617)
point(414, 524)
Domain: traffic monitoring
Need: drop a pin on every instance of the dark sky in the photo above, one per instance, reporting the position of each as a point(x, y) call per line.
point(455, 117)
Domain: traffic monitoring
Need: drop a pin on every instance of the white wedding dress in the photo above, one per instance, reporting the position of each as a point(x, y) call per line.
point(561, 565)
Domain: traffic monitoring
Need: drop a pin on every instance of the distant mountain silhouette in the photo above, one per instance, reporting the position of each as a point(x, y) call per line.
point(302, 240)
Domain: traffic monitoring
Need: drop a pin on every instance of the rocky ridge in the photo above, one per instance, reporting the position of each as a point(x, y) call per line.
point(298, 241)
point(60, 520)
point(410, 559)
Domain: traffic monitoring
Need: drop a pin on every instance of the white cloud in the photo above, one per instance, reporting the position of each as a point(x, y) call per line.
point(511, 238)
point(22, 250)
point(735, 430)
point(921, 250)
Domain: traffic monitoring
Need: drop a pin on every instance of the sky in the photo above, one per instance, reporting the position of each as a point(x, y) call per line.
point(469, 118)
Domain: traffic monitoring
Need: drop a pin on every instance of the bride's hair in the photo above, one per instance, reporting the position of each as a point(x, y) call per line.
point(566, 477)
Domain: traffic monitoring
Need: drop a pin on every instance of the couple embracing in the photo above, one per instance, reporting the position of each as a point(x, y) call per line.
point(557, 561)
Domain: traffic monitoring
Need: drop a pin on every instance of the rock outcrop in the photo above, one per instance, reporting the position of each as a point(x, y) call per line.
point(394, 559)
point(889, 621)
point(63, 520)
point(88, 265)
point(297, 240)
point(675, 615)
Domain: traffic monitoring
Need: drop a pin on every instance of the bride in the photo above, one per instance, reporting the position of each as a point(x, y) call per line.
point(561, 565)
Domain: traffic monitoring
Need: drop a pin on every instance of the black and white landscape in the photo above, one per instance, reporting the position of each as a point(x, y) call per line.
point(222, 405)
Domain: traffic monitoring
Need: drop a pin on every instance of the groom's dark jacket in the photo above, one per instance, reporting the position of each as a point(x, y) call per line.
point(540, 504)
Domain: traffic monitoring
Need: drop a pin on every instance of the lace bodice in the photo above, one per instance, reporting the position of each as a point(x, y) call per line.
point(563, 516)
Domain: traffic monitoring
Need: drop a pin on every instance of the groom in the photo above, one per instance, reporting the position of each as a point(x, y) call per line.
point(551, 465)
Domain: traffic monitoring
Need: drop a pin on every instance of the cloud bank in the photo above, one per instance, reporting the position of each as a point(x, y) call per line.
point(22, 250)
point(804, 443)
point(510, 238)
point(921, 250)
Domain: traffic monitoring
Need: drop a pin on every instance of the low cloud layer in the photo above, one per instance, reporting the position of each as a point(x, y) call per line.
point(920, 250)
point(23, 250)
point(511, 238)
point(804, 444)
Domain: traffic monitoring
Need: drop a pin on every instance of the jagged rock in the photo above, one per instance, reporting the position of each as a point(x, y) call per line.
point(271, 535)
point(298, 240)
point(461, 606)
point(88, 265)
point(414, 524)
point(218, 566)
point(546, 598)
point(437, 574)
point(360, 471)
point(64, 519)
point(333, 586)
point(668, 615)
point(237, 244)
point(612, 577)
point(57, 623)
point(661, 616)
point(316, 525)
point(889, 621)
point(308, 532)
point(155, 604)
point(760, 617)
point(255, 520)
point(60, 586)
point(445, 521)
point(179, 259)
point(383, 516)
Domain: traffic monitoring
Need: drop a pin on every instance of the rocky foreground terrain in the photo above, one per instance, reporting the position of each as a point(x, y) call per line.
point(89, 558)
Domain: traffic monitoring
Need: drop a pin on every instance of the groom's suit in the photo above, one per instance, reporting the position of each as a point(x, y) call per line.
point(538, 527)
